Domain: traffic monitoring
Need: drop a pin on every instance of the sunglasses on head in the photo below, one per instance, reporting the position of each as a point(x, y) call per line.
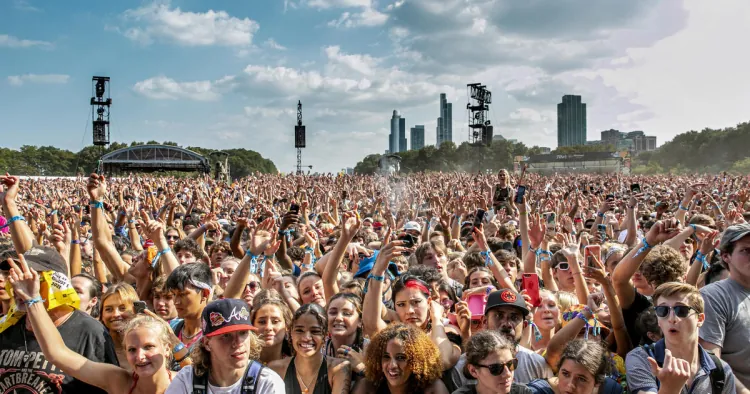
point(681, 311)
point(497, 369)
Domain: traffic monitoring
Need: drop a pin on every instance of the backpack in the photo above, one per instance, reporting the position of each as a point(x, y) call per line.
point(249, 385)
point(718, 379)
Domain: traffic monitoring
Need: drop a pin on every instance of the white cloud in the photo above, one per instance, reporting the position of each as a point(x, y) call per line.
point(163, 88)
point(14, 42)
point(158, 21)
point(323, 4)
point(369, 17)
point(18, 80)
point(271, 43)
point(24, 5)
point(363, 64)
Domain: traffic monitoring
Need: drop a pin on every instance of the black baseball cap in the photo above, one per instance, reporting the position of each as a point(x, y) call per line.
point(505, 297)
point(41, 259)
point(227, 315)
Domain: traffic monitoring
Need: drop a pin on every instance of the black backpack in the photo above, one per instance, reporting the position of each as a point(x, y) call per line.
point(717, 376)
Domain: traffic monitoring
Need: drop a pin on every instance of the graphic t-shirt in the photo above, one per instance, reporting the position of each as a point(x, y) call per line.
point(25, 370)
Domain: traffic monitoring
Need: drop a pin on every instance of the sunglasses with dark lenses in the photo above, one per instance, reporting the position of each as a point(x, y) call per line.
point(172, 236)
point(563, 266)
point(253, 285)
point(681, 311)
point(497, 369)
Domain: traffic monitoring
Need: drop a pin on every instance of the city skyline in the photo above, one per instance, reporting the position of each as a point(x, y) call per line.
point(233, 79)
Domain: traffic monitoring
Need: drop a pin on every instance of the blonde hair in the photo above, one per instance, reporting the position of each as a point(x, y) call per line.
point(150, 320)
point(566, 300)
point(123, 290)
point(202, 357)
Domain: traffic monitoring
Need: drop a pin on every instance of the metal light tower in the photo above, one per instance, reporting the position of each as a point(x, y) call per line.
point(480, 129)
point(299, 137)
point(100, 110)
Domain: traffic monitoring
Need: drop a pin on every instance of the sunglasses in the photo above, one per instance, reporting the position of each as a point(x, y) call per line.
point(563, 266)
point(253, 285)
point(497, 369)
point(172, 237)
point(681, 311)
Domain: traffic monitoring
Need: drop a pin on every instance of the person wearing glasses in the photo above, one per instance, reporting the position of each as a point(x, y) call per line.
point(491, 360)
point(678, 363)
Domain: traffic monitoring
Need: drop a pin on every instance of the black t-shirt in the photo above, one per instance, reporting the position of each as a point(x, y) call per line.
point(25, 370)
point(640, 304)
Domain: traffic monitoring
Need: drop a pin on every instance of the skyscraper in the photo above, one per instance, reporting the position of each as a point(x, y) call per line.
point(402, 147)
point(393, 137)
point(417, 137)
point(571, 121)
point(445, 121)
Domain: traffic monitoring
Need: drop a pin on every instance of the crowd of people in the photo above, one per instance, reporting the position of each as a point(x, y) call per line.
point(426, 283)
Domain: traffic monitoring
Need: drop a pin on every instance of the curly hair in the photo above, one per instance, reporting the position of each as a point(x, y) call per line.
point(591, 355)
point(482, 344)
point(421, 353)
point(296, 253)
point(188, 245)
point(664, 264)
point(646, 323)
point(202, 357)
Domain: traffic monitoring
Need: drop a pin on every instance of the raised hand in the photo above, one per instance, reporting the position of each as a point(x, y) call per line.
point(261, 238)
point(10, 184)
point(663, 230)
point(97, 187)
point(24, 280)
point(674, 373)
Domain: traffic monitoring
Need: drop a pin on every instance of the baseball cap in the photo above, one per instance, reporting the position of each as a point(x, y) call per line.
point(505, 297)
point(377, 225)
point(227, 315)
point(412, 226)
point(733, 234)
point(41, 259)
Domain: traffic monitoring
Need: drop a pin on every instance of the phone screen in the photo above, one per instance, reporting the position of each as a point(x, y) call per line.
point(479, 217)
point(139, 306)
point(589, 252)
point(530, 283)
point(635, 188)
point(520, 193)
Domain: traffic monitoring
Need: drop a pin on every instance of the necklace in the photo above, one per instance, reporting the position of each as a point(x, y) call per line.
point(306, 390)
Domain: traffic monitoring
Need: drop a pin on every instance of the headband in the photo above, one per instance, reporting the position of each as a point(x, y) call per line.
point(612, 250)
point(417, 284)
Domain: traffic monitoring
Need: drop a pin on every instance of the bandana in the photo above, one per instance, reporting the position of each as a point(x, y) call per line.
point(55, 289)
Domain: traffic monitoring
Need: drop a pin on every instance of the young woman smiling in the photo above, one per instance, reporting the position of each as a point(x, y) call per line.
point(272, 318)
point(309, 371)
point(345, 330)
point(146, 339)
point(117, 309)
point(401, 359)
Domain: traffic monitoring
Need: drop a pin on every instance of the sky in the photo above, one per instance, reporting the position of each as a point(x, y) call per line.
point(228, 74)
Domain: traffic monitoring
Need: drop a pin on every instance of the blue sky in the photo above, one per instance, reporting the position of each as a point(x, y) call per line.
point(225, 74)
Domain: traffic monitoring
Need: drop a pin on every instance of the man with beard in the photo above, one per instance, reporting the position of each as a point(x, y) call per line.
point(506, 312)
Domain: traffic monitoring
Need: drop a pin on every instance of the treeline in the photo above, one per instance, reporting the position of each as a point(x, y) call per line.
point(709, 150)
point(51, 161)
point(466, 157)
